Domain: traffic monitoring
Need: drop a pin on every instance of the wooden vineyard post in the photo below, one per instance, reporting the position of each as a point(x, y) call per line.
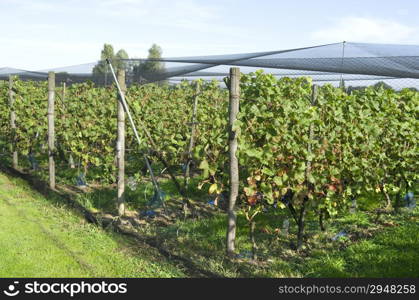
point(301, 218)
point(120, 148)
point(51, 129)
point(192, 139)
point(313, 100)
point(234, 166)
point(70, 158)
point(64, 87)
point(13, 123)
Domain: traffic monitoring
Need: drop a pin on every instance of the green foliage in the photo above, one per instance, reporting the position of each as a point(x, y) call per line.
point(85, 122)
point(30, 105)
point(84, 127)
point(101, 72)
point(150, 70)
point(361, 143)
point(4, 111)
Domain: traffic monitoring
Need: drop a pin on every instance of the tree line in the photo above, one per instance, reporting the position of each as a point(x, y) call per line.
point(137, 70)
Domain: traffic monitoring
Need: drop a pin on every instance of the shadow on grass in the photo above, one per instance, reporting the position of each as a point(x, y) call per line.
point(393, 253)
point(146, 247)
point(138, 198)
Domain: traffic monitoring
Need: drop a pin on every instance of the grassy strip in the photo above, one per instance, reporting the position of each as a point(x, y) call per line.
point(39, 239)
point(368, 249)
point(387, 248)
point(392, 253)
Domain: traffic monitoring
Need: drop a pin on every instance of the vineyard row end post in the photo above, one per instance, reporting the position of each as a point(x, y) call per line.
point(234, 166)
point(70, 158)
point(13, 123)
point(120, 147)
point(192, 138)
point(51, 129)
point(310, 187)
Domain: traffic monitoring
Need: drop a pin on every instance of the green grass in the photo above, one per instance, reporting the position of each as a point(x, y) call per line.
point(40, 239)
point(388, 248)
point(393, 253)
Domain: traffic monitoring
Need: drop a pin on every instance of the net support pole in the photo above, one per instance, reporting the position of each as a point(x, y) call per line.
point(234, 165)
point(15, 162)
point(51, 129)
point(120, 148)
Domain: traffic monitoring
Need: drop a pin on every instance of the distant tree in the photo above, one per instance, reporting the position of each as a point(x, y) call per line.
point(63, 77)
point(101, 72)
point(120, 55)
point(150, 69)
point(378, 85)
point(383, 85)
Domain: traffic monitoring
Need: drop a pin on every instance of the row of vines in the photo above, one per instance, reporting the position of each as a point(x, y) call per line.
point(300, 148)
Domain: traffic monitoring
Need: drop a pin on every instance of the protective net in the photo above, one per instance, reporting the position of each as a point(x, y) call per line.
point(348, 64)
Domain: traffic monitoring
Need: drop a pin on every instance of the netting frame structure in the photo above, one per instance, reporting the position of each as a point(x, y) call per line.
point(340, 64)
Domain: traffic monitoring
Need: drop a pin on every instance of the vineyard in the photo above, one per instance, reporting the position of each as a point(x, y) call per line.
point(318, 167)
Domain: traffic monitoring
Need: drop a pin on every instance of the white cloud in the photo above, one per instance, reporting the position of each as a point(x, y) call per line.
point(360, 29)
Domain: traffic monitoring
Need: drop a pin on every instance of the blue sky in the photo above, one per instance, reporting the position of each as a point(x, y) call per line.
point(39, 34)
